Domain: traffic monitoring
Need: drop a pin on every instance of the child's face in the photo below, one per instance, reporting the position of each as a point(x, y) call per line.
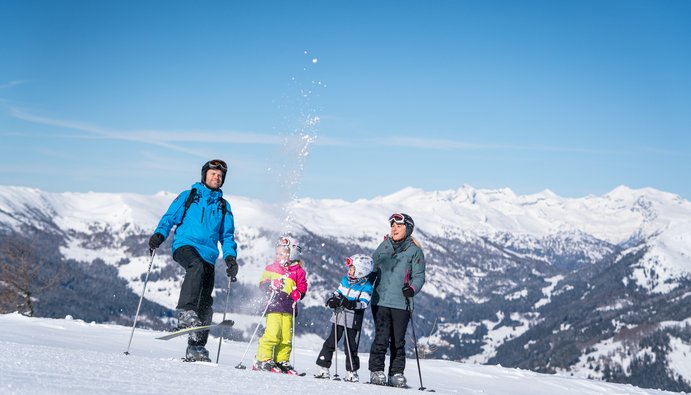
point(282, 254)
point(351, 270)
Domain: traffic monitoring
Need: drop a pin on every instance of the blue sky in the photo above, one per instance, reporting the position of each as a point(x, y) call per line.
point(134, 96)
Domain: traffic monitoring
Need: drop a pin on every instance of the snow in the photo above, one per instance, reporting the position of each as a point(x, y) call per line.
point(679, 359)
point(547, 291)
point(66, 356)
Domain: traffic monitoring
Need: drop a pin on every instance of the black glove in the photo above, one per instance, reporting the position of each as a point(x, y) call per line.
point(349, 304)
point(408, 291)
point(155, 241)
point(232, 269)
point(334, 302)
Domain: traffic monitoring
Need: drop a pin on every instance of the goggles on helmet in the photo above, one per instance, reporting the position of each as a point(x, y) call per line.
point(286, 243)
point(396, 219)
point(218, 164)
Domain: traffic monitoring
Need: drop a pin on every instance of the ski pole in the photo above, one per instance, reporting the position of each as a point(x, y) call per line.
point(136, 316)
point(412, 325)
point(338, 313)
point(349, 355)
point(240, 365)
point(220, 339)
point(292, 329)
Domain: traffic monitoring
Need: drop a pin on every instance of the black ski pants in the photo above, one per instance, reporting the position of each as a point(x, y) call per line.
point(196, 290)
point(326, 354)
point(390, 326)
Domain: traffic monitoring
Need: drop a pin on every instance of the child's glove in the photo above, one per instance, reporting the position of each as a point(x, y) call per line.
point(349, 304)
point(277, 284)
point(334, 301)
point(295, 295)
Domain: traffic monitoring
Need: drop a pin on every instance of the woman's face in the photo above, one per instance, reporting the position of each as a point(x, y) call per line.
point(397, 231)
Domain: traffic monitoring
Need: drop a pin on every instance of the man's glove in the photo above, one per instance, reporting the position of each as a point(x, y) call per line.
point(295, 295)
point(349, 304)
point(334, 302)
point(277, 284)
point(232, 270)
point(408, 291)
point(155, 241)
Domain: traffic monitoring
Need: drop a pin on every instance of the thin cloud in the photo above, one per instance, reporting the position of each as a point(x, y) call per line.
point(12, 84)
point(166, 139)
point(452, 145)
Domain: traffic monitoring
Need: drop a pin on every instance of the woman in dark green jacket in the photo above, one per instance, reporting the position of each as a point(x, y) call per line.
point(399, 274)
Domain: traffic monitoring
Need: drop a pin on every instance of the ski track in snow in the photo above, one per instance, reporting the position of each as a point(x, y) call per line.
point(65, 356)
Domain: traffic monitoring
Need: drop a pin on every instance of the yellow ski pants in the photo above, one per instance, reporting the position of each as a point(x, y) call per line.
point(276, 343)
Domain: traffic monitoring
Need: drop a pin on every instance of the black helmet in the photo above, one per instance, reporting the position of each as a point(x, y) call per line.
point(215, 164)
point(401, 218)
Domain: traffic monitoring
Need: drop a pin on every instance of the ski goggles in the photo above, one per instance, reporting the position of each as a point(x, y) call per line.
point(396, 219)
point(349, 261)
point(218, 164)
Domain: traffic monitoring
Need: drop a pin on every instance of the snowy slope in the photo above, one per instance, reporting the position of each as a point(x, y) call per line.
point(65, 356)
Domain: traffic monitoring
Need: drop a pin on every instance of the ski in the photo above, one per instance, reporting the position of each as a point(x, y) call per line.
point(180, 332)
point(189, 360)
point(407, 387)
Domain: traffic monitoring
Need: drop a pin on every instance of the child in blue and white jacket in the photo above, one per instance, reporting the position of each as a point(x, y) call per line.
point(349, 303)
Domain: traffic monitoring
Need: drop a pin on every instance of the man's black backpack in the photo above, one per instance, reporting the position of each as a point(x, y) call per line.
point(190, 200)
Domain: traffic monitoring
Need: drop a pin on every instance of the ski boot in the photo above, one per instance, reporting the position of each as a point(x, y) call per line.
point(285, 367)
point(188, 319)
point(266, 366)
point(378, 378)
point(197, 354)
point(323, 373)
point(398, 380)
point(351, 377)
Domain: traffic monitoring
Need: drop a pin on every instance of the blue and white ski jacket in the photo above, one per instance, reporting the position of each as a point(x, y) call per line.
point(359, 290)
point(203, 226)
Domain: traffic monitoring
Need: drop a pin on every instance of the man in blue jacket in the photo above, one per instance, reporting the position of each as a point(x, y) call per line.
point(399, 274)
point(203, 218)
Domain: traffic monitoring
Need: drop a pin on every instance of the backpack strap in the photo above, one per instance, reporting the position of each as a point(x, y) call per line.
point(188, 203)
point(224, 207)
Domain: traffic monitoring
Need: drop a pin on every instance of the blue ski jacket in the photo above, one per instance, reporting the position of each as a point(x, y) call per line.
point(203, 226)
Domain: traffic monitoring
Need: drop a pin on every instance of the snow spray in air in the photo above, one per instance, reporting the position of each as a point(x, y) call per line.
point(301, 119)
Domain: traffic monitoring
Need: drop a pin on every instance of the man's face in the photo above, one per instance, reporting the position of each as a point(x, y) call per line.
point(397, 231)
point(214, 177)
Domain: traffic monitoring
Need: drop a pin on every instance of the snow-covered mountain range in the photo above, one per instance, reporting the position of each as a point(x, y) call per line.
point(595, 286)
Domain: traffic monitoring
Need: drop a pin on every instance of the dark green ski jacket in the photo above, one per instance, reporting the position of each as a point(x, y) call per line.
point(394, 266)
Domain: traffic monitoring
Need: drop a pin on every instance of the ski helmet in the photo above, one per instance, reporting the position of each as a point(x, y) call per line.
point(292, 245)
point(403, 219)
point(363, 265)
point(215, 164)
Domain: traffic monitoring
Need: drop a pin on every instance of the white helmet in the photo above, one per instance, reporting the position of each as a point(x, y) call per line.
point(363, 265)
point(292, 245)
